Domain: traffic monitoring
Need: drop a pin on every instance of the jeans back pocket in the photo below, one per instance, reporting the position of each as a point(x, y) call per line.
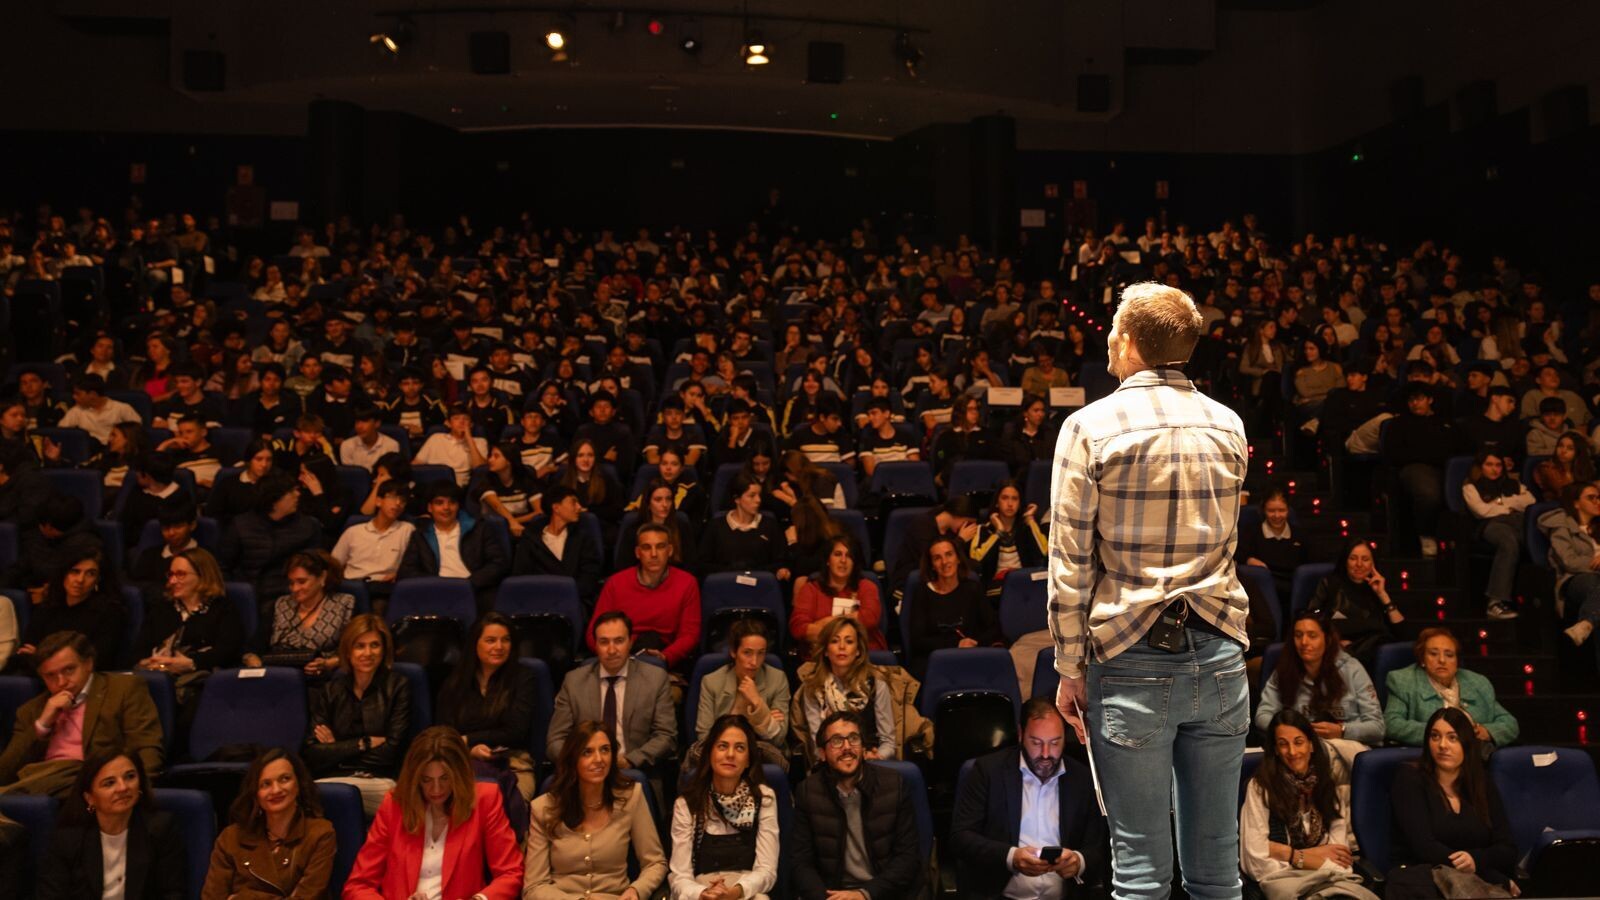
point(1134, 710)
point(1233, 700)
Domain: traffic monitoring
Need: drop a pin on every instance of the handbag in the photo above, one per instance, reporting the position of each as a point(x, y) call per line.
point(1454, 883)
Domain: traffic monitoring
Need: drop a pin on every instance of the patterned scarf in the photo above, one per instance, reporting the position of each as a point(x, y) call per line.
point(838, 699)
point(1305, 830)
point(738, 808)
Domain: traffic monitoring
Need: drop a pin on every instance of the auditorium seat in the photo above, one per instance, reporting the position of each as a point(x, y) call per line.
point(74, 442)
point(1024, 599)
point(341, 806)
point(421, 697)
point(424, 475)
point(1036, 487)
point(969, 669)
point(1306, 579)
point(1269, 662)
point(727, 597)
point(977, 476)
point(165, 697)
point(543, 706)
point(854, 522)
point(1371, 813)
point(87, 485)
point(37, 815)
point(196, 818)
point(1045, 676)
point(231, 443)
point(1247, 769)
point(450, 598)
point(242, 595)
point(356, 483)
point(207, 533)
point(918, 788)
point(547, 618)
point(1258, 584)
point(21, 606)
point(894, 534)
point(908, 478)
point(264, 706)
point(430, 618)
point(1552, 799)
point(1391, 656)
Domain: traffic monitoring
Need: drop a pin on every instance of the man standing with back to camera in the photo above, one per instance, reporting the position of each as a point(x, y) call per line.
point(1147, 613)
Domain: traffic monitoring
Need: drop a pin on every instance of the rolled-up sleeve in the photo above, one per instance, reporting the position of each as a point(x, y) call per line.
point(1074, 500)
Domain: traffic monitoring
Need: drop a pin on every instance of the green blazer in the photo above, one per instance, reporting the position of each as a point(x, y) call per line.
point(1412, 699)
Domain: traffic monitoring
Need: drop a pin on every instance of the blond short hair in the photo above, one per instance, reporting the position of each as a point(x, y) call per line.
point(1161, 322)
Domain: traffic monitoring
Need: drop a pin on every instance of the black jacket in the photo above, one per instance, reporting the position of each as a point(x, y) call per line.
point(155, 870)
point(481, 553)
point(478, 719)
point(102, 619)
point(988, 817)
point(213, 637)
point(1427, 831)
point(724, 549)
point(383, 711)
point(41, 559)
point(580, 560)
point(21, 497)
point(255, 549)
point(888, 819)
point(1419, 439)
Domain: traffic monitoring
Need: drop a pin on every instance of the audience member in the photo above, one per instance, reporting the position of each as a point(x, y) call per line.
point(257, 544)
point(1026, 822)
point(1331, 689)
point(1437, 680)
point(83, 598)
point(82, 714)
point(1356, 595)
point(645, 729)
point(302, 628)
point(725, 821)
point(360, 715)
point(278, 843)
point(1498, 502)
point(839, 588)
point(584, 827)
point(192, 629)
point(1575, 556)
point(855, 832)
point(490, 699)
point(439, 833)
point(842, 678)
point(663, 600)
point(748, 687)
point(453, 544)
point(110, 841)
point(947, 609)
point(557, 546)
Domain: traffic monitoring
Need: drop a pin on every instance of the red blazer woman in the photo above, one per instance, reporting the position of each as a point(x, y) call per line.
point(387, 866)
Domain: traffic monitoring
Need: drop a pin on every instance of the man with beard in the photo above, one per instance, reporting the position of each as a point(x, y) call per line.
point(855, 831)
point(1018, 807)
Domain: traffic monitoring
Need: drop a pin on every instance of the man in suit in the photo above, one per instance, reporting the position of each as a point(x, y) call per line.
point(560, 548)
point(633, 699)
point(1017, 801)
point(80, 714)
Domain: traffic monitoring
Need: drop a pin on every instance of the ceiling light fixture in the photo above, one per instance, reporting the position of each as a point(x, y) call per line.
point(395, 39)
point(755, 50)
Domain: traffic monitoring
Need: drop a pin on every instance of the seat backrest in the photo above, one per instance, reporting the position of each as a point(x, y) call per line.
point(741, 589)
point(197, 829)
point(1545, 788)
point(971, 476)
point(968, 724)
point(905, 477)
point(1306, 579)
point(522, 594)
point(918, 788)
point(15, 690)
point(37, 815)
point(1371, 813)
point(250, 706)
point(424, 475)
point(87, 485)
point(854, 522)
point(1045, 677)
point(21, 606)
point(8, 544)
point(165, 698)
point(721, 484)
point(207, 533)
point(451, 597)
point(1036, 489)
point(969, 669)
point(242, 595)
point(1023, 599)
point(1393, 656)
point(1538, 542)
point(421, 698)
point(845, 475)
point(355, 482)
point(341, 806)
point(1269, 661)
point(543, 706)
point(1259, 586)
point(1529, 466)
point(894, 532)
point(1456, 470)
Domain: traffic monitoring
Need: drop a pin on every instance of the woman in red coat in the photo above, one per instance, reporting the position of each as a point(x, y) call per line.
point(438, 834)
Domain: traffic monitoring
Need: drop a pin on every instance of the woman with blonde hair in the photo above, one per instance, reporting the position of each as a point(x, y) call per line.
point(195, 631)
point(438, 833)
point(359, 717)
point(843, 678)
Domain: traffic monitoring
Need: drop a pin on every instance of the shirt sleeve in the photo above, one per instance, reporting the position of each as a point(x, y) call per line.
point(1074, 498)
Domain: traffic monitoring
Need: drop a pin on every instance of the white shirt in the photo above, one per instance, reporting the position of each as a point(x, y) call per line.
point(99, 422)
point(1040, 827)
point(430, 875)
point(445, 450)
point(355, 451)
point(367, 552)
point(622, 688)
point(684, 884)
point(114, 864)
point(557, 543)
point(450, 564)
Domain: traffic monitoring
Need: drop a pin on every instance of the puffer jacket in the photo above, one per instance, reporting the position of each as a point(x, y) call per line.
point(888, 823)
point(1571, 547)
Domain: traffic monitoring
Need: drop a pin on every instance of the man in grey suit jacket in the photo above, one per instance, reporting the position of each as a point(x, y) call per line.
point(638, 696)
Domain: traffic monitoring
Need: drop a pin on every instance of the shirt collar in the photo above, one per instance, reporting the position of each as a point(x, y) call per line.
point(1288, 532)
point(166, 552)
point(1170, 376)
point(83, 695)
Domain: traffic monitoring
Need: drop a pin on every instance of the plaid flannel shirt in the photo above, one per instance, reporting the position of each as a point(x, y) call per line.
point(1145, 509)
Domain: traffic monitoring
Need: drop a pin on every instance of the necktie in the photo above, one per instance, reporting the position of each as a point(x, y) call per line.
point(609, 712)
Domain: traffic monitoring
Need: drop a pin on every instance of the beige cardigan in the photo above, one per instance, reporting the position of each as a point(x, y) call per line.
point(568, 864)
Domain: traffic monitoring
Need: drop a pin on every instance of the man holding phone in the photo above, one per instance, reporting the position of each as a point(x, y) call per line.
point(1145, 606)
point(1025, 821)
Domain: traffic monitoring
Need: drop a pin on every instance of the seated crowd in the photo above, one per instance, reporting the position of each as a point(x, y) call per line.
point(257, 473)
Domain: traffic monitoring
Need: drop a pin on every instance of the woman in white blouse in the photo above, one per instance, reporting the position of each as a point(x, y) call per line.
point(725, 823)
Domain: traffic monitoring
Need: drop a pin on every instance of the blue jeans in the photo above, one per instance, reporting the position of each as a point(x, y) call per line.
point(1156, 718)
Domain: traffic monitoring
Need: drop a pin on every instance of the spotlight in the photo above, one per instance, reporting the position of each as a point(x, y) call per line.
point(690, 43)
point(555, 39)
point(755, 50)
point(907, 52)
point(558, 37)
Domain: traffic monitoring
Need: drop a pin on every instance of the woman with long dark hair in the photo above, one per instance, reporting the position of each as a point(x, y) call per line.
point(838, 588)
point(1447, 814)
point(1357, 595)
point(584, 826)
point(128, 444)
point(948, 610)
point(490, 699)
point(234, 496)
point(110, 841)
point(1497, 501)
point(278, 844)
point(1011, 539)
point(1316, 678)
point(84, 598)
point(657, 506)
point(1571, 463)
point(596, 489)
point(725, 822)
point(1294, 827)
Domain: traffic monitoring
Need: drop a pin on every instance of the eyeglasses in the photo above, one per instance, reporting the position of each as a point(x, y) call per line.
point(840, 741)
